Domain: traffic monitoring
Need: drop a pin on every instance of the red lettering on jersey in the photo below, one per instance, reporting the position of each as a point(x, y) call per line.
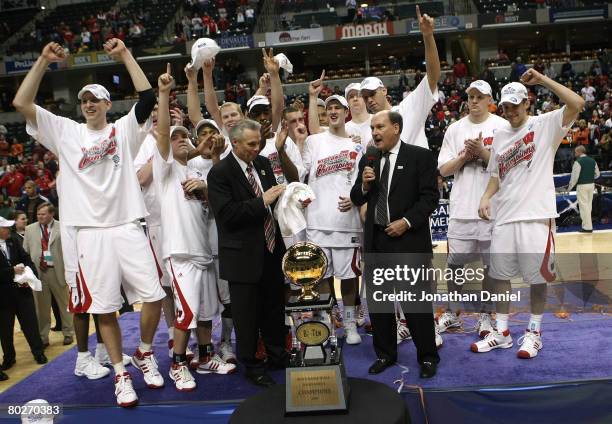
point(98, 153)
point(528, 138)
point(488, 141)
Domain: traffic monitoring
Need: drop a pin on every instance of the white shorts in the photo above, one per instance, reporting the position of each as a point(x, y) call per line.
point(343, 263)
point(155, 241)
point(69, 254)
point(195, 293)
point(109, 258)
point(470, 229)
point(461, 252)
point(223, 291)
point(524, 248)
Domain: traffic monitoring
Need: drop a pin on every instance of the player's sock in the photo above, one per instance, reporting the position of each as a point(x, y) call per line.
point(100, 348)
point(179, 358)
point(205, 351)
point(83, 355)
point(535, 323)
point(119, 368)
point(144, 347)
point(502, 322)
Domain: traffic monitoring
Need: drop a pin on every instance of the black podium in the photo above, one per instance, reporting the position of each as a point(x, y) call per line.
point(370, 402)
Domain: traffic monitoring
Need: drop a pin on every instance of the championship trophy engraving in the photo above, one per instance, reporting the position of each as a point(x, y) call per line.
point(316, 379)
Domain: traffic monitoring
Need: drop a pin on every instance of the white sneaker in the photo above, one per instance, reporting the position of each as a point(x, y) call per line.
point(531, 343)
point(216, 365)
point(103, 359)
point(493, 340)
point(448, 320)
point(484, 325)
point(124, 391)
point(183, 380)
point(90, 368)
point(350, 333)
point(360, 315)
point(402, 331)
point(146, 363)
point(439, 340)
point(227, 353)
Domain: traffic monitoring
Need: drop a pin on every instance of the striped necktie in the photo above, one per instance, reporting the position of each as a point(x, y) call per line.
point(382, 216)
point(269, 230)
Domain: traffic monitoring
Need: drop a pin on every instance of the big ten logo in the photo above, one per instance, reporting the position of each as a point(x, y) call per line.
point(311, 332)
point(440, 216)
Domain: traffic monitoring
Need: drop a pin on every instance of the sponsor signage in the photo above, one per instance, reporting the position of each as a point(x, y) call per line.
point(507, 18)
point(235, 42)
point(372, 29)
point(17, 66)
point(298, 36)
point(442, 23)
point(580, 14)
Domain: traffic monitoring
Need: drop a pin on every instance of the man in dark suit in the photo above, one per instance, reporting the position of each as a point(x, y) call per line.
point(401, 193)
point(16, 300)
point(242, 191)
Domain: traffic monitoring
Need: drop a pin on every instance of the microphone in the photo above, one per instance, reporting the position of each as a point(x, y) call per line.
point(372, 153)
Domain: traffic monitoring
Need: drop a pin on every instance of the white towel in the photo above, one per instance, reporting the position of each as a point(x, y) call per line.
point(289, 211)
point(28, 277)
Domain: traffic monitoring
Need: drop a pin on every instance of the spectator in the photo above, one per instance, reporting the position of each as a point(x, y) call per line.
point(223, 24)
point(567, 71)
point(5, 147)
point(581, 134)
point(85, 37)
point(31, 200)
point(249, 13)
point(21, 222)
point(549, 70)
point(196, 26)
point(12, 182)
point(460, 72)
point(588, 92)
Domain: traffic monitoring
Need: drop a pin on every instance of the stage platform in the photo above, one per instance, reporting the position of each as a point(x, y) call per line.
point(569, 381)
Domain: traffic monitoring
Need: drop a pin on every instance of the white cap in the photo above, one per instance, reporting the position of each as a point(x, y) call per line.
point(481, 86)
point(371, 83)
point(257, 100)
point(351, 87)
point(97, 90)
point(32, 415)
point(5, 223)
point(201, 50)
point(514, 93)
point(320, 102)
point(338, 98)
point(175, 128)
point(203, 122)
point(283, 62)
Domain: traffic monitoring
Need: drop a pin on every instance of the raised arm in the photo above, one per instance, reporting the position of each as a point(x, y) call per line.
point(574, 103)
point(164, 82)
point(314, 89)
point(277, 99)
point(24, 99)
point(432, 60)
point(210, 97)
point(193, 99)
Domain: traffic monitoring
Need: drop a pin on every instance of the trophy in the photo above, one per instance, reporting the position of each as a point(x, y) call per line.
point(316, 379)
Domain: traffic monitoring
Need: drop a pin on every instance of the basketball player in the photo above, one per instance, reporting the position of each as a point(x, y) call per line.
point(465, 154)
point(96, 159)
point(521, 166)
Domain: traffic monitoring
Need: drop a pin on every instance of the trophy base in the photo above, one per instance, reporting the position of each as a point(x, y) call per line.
point(320, 389)
point(325, 301)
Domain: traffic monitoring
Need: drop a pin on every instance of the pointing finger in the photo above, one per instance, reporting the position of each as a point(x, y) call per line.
point(323, 75)
point(418, 13)
point(168, 69)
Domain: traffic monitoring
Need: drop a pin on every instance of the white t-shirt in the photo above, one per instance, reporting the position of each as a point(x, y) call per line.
point(471, 180)
point(363, 130)
point(182, 215)
point(588, 93)
point(414, 110)
point(331, 164)
point(145, 154)
point(97, 167)
point(270, 152)
point(522, 159)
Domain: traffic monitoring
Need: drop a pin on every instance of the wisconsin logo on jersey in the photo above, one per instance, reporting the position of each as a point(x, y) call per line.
point(96, 154)
point(521, 151)
point(276, 167)
point(343, 161)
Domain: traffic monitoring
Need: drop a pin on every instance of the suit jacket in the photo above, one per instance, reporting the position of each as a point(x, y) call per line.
point(240, 216)
point(32, 245)
point(18, 256)
point(413, 194)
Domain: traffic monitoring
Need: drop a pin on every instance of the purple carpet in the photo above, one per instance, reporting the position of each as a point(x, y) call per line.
point(578, 349)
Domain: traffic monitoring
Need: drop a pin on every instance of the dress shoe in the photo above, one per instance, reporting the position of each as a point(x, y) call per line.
point(428, 369)
point(41, 358)
point(380, 365)
point(8, 363)
point(68, 340)
point(3, 376)
point(263, 380)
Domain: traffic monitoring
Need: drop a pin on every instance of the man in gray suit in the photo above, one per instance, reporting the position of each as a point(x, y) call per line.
point(43, 244)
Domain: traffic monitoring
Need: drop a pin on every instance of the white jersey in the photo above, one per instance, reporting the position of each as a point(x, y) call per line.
point(363, 130)
point(270, 152)
point(414, 110)
point(470, 181)
point(98, 175)
point(331, 164)
point(183, 217)
point(145, 155)
point(522, 158)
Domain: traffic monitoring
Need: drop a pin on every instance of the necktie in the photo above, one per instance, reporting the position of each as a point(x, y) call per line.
point(44, 241)
point(269, 229)
point(381, 216)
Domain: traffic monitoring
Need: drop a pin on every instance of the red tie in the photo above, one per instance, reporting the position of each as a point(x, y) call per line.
point(44, 241)
point(269, 229)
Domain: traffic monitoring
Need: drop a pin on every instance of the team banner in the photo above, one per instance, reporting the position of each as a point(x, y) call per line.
point(442, 23)
point(371, 29)
point(235, 42)
point(18, 66)
point(583, 13)
point(507, 18)
point(298, 36)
